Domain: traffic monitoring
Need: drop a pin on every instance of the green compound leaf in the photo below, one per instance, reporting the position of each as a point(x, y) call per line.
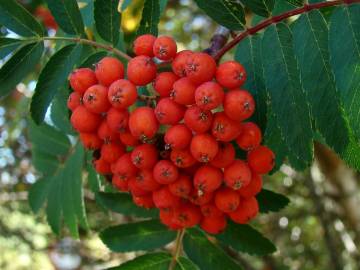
point(150, 18)
point(150, 261)
point(9, 45)
point(270, 201)
point(260, 7)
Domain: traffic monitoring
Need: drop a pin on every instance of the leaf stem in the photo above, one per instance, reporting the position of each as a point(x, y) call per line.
point(177, 250)
point(267, 22)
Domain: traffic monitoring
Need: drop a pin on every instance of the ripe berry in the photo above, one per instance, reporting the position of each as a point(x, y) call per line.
point(136, 189)
point(187, 215)
point(209, 95)
point(231, 74)
point(143, 45)
point(143, 123)
point(144, 201)
point(227, 200)
point(124, 168)
point(163, 198)
point(90, 141)
point(181, 187)
point(164, 48)
point(213, 225)
point(108, 70)
point(166, 217)
point(261, 160)
point(141, 70)
point(182, 158)
point(169, 112)
point(164, 82)
point(200, 68)
point(112, 151)
point(144, 156)
point(247, 210)
point(74, 100)
point(102, 167)
point(204, 147)
point(225, 129)
point(85, 121)
point(179, 63)
point(128, 139)
point(250, 136)
point(237, 175)
point(146, 180)
point(165, 172)
point(117, 120)
point(178, 137)
point(207, 179)
point(197, 119)
point(45, 16)
point(120, 184)
point(105, 133)
point(239, 105)
point(225, 155)
point(183, 92)
point(95, 99)
point(81, 79)
point(211, 211)
point(122, 94)
point(203, 199)
point(253, 188)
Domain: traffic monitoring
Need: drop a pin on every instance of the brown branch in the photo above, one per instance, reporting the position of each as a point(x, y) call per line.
point(218, 40)
point(276, 19)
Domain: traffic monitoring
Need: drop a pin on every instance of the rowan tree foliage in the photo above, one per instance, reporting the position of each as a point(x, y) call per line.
point(302, 62)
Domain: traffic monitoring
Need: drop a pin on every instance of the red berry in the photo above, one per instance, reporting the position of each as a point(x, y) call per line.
point(165, 172)
point(128, 139)
point(143, 123)
point(143, 45)
point(95, 99)
point(102, 167)
point(207, 179)
point(85, 121)
point(74, 101)
point(213, 225)
point(164, 48)
point(237, 175)
point(120, 184)
point(183, 91)
point(81, 79)
point(182, 158)
point(112, 151)
point(44, 15)
point(261, 160)
point(124, 168)
point(250, 136)
point(227, 200)
point(178, 137)
point(146, 180)
point(90, 141)
point(187, 215)
point(225, 155)
point(204, 147)
point(203, 199)
point(105, 133)
point(179, 64)
point(141, 70)
point(163, 198)
point(181, 187)
point(253, 188)
point(200, 68)
point(239, 105)
point(108, 70)
point(166, 218)
point(197, 119)
point(231, 74)
point(211, 211)
point(136, 189)
point(225, 129)
point(164, 82)
point(209, 95)
point(122, 94)
point(117, 120)
point(144, 201)
point(247, 210)
point(169, 112)
point(144, 156)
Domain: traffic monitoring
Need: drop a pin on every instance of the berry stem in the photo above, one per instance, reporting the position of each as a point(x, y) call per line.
point(267, 22)
point(177, 250)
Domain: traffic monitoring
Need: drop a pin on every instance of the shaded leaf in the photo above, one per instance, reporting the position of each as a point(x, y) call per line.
point(53, 77)
point(38, 193)
point(9, 45)
point(184, 263)
point(93, 59)
point(150, 18)
point(270, 201)
point(150, 261)
point(18, 66)
point(43, 162)
point(296, 2)
point(260, 7)
point(144, 235)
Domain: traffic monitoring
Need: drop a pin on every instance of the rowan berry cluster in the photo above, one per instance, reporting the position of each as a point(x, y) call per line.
point(179, 153)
